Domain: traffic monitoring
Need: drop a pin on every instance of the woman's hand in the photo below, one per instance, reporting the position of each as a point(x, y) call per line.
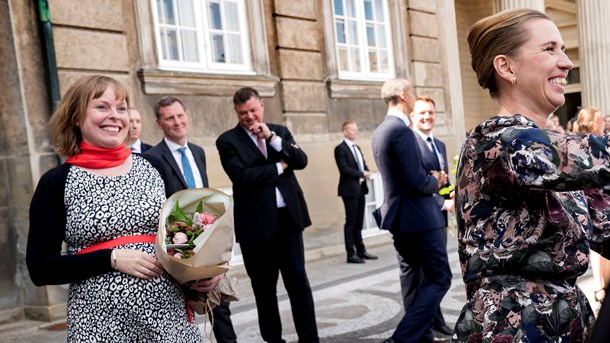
point(136, 263)
point(206, 285)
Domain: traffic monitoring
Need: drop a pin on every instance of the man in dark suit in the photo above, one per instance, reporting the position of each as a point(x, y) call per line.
point(353, 173)
point(270, 214)
point(434, 157)
point(186, 164)
point(135, 130)
point(410, 212)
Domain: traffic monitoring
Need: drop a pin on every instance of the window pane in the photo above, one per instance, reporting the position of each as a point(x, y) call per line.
point(352, 33)
point(370, 35)
point(379, 10)
point(170, 46)
point(373, 62)
point(186, 13)
point(368, 10)
point(231, 16)
point(338, 7)
point(340, 31)
point(190, 51)
point(214, 15)
point(234, 48)
point(355, 57)
point(166, 12)
point(384, 63)
point(351, 8)
point(381, 36)
point(218, 48)
point(343, 59)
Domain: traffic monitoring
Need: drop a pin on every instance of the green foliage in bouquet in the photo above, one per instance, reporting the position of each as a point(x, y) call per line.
point(181, 229)
point(447, 190)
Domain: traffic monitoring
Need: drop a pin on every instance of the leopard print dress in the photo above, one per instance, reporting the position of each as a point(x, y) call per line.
point(116, 307)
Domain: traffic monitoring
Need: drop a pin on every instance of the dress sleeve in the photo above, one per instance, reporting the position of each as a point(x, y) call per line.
point(46, 264)
point(539, 159)
point(170, 185)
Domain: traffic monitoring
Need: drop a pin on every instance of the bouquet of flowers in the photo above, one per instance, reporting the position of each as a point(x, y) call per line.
point(182, 229)
point(194, 241)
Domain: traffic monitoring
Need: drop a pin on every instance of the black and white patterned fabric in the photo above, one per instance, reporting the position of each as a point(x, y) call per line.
point(116, 307)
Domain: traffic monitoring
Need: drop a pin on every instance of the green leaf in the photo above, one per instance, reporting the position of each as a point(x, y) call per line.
point(179, 215)
point(199, 207)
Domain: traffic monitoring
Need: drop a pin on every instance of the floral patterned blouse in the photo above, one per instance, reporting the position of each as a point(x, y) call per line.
point(525, 227)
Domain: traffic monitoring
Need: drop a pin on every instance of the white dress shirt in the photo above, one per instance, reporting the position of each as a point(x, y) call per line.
point(173, 147)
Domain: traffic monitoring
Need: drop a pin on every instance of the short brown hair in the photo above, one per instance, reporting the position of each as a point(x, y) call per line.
point(164, 102)
point(500, 34)
point(425, 98)
point(346, 123)
point(244, 94)
point(64, 124)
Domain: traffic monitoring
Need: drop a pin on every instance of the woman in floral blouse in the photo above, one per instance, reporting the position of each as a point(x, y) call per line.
point(525, 225)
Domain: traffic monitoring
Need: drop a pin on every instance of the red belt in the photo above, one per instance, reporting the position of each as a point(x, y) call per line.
point(113, 243)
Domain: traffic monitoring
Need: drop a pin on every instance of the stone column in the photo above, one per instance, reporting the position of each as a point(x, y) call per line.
point(594, 52)
point(510, 4)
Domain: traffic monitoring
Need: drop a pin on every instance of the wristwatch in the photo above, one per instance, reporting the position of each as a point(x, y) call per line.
point(268, 139)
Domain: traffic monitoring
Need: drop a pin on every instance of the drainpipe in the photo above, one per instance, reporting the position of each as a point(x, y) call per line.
point(48, 47)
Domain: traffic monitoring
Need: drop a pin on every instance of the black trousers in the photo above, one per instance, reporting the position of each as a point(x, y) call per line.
point(352, 230)
point(264, 260)
point(223, 327)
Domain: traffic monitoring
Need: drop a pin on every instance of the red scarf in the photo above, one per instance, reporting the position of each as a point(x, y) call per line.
point(99, 158)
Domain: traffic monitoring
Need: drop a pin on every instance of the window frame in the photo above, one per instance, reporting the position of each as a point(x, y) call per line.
point(363, 48)
point(163, 81)
point(203, 31)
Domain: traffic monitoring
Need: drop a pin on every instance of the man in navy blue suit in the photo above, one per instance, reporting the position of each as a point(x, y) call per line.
point(135, 130)
point(434, 157)
point(186, 164)
point(410, 211)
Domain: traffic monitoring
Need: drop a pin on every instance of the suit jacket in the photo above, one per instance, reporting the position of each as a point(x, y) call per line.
point(409, 204)
point(349, 172)
point(145, 147)
point(429, 162)
point(255, 178)
point(163, 152)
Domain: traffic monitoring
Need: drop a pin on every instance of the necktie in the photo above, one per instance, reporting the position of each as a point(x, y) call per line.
point(261, 146)
point(186, 168)
point(431, 143)
point(357, 157)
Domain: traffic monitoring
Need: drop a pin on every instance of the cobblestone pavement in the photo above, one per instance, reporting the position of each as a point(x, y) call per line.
point(356, 303)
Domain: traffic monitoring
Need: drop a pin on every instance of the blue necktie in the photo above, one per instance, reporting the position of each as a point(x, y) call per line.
point(186, 168)
point(434, 152)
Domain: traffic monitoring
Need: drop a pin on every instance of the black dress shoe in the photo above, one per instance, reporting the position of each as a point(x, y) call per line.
point(441, 337)
point(355, 259)
point(367, 256)
point(444, 329)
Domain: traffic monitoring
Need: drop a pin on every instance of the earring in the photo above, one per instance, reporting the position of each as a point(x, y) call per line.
point(513, 81)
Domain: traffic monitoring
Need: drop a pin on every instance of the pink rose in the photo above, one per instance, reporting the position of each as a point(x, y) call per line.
point(178, 255)
point(208, 218)
point(180, 238)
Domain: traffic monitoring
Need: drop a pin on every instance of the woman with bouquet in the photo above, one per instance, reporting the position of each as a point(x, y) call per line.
point(104, 203)
point(525, 226)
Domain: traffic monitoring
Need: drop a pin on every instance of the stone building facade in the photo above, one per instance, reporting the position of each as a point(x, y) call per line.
point(293, 57)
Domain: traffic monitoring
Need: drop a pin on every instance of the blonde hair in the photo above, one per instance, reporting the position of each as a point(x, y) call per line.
point(64, 124)
point(500, 34)
point(586, 119)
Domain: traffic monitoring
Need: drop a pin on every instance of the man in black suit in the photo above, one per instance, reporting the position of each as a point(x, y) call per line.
point(434, 157)
point(135, 130)
point(270, 214)
point(187, 166)
point(410, 211)
point(353, 173)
